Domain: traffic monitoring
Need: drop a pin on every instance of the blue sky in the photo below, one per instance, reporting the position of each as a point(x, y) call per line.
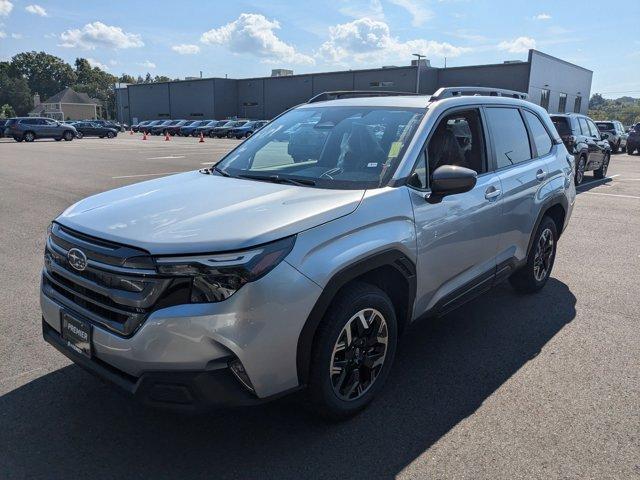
point(246, 38)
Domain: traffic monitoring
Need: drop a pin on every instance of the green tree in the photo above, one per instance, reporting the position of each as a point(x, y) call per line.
point(15, 92)
point(45, 74)
point(161, 78)
point(124, 78)
point(96, 83)
point(7, 111)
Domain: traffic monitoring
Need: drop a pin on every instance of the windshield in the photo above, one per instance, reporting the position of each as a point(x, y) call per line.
point(327, 147)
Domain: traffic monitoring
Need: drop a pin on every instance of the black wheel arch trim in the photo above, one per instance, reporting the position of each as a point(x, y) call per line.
point(392, 257)
point(559, 199)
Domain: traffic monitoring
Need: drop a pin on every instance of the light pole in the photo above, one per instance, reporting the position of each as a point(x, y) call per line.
point(418, 70)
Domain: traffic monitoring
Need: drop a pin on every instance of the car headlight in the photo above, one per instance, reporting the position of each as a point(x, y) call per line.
point(216, 277)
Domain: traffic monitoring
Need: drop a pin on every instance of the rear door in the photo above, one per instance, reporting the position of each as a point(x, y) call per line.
point(522, 174)
point(600, 145)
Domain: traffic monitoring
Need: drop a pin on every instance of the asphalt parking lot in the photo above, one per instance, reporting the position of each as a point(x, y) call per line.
point(508, 386)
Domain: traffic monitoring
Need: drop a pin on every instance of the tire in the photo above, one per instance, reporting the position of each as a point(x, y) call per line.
point(57, 139)
point(617, 149)
point(340, 395)
point(602, 171)
point(17, 139)
point(579, 177)
point(79, 135)
point(110, 135)
point(29, 136)
point(212, 135)
point(68, 136)
point(534, 275)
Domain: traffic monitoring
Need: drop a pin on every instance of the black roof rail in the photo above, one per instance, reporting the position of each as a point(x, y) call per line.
point(448, 92)
point(338, 94)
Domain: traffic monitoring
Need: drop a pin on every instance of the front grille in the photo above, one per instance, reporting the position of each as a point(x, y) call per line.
point(119, 287)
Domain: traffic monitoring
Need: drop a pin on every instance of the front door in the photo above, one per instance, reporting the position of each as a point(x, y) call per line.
point(457, 238)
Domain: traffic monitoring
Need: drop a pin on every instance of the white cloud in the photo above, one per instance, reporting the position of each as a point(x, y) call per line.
point(367, 40)
point(419, 13)
point(542, 16)
point(363, 8)
point(113, 63)
point(5, 8)
point(254, 34)
point(518, 45)
point(147, 64)
point(17, 36)
point(36, 10)
point(96, 63)
point(186, 49)
point(2, 34)
point(97, 34)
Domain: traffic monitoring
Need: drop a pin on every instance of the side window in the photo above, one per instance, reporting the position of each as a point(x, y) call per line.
point(595, 133)
point(540, 136)
point(458, 140)
point(584, 128)
point(509, 134)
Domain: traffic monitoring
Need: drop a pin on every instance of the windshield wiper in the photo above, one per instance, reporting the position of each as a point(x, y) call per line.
point(220, 171)
point(301, 182)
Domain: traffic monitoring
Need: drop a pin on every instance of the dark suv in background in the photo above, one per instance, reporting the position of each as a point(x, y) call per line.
point(31, 128)
point(584, 141)
point(633, 140)
point(615, 134)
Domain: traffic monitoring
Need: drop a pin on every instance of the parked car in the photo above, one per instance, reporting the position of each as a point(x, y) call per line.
point(163, 128)
point(175, 128)
point(190, 130)
point(107, 123)
point(32, 128)
point(208, 127)
point(247, 129)
point(137, 126)
point(258, 277)
point(2, 123)
point(147, 128)
point(614, 133)
point(633, 140)
point(92, 129)
point(584, 141)
point(223, 130)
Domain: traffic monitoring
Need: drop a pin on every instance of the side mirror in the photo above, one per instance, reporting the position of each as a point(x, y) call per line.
point(450, 180)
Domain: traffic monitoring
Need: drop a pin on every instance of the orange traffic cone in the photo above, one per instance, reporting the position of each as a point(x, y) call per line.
point(201, 138)
point(144, 135)
point(166, 136)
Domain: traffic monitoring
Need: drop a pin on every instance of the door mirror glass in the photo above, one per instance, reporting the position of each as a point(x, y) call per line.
point(451, 179)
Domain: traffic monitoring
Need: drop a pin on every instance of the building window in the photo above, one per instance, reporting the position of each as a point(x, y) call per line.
point(577, 105)
point(562, 103)
point(544, 99)
point(381, 84)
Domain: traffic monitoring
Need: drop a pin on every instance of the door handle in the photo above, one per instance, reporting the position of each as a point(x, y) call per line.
point(541, 175)
point(492, 192)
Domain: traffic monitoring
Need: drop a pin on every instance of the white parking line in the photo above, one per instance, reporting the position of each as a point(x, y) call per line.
point(163, 158)
point(610, 195)
point(146, 175)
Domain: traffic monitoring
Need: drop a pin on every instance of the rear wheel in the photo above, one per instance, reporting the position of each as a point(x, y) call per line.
point(580, 171)
point(68, 136)
point(79, 134)
point(353, 351)
point(602, 171)
point(29, 136)
point(534, 275)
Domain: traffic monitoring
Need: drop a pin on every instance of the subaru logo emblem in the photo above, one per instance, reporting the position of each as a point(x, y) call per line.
point(77, 259)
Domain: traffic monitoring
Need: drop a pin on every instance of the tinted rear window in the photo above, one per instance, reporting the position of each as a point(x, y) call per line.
point(562, 125)
point(605, 125)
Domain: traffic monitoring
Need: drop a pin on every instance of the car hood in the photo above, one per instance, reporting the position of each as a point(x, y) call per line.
point(197, 213)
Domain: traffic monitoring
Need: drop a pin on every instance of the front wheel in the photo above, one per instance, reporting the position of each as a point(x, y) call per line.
point(534, 275)
point(29, 137)
point(602, 171)
point(68, 136)
point(353, 351)
point(110, 135)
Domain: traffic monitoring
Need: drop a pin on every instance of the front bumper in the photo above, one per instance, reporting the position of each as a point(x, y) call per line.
point(259, 325)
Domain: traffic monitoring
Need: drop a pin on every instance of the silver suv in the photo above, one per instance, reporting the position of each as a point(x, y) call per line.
point(266, 274)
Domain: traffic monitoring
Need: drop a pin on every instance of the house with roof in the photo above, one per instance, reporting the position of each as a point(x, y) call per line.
point(67, 105)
